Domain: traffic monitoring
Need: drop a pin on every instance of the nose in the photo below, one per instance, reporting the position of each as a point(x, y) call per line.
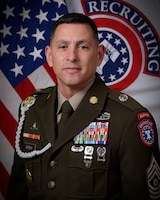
point(72, 54)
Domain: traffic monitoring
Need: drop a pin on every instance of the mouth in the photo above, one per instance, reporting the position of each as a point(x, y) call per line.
point(72, 70)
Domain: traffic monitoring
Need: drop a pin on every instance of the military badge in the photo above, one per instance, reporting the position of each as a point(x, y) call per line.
point(101, 153)
point(34, 127)
point(146, 131)
point(88, 156)
point(123, 97)
point(29, 101)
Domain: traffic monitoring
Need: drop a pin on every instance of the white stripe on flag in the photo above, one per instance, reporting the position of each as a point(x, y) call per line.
point(6, 153)
point(10, 98)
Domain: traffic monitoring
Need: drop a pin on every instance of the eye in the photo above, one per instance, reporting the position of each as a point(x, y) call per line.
point(83, 46)
point(62, 46)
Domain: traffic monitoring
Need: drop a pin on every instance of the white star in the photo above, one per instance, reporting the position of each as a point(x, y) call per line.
point(36, 53)
point(60, 2)
point(45, 1)
point(19, 51)
point(123, 50)
point(38, 35)
point(57, 17)
point(5, 30)
point(100, 35)
point(8, 12)
point(17, 70)
point(124, 60)
point(3, 49)
point(120, 70)
point(112, 77)
point(42, 16)
point(25, 14)
point(117, 42)
point(109, 36)
point(22, 32)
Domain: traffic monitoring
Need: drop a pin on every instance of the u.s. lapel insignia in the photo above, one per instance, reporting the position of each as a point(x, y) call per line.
point(93, 100)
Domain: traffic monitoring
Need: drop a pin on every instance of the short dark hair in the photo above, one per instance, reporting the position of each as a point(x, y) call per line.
point(75, 18)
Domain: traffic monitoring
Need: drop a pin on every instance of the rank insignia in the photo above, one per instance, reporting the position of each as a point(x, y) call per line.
point(153, 179)
point(146, 131)
point(94, 133)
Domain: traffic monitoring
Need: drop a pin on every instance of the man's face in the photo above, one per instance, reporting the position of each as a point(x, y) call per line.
point(74, 55)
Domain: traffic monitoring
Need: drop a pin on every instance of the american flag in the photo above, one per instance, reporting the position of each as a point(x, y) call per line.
point(25, 27)
point(24, 32)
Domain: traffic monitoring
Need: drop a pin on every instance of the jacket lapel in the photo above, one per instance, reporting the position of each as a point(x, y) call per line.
point(47, 116)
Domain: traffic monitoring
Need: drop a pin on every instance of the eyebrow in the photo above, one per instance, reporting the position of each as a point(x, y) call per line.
point(77, 42)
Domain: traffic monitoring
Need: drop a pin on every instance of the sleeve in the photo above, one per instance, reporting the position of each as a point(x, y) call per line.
point(17, 187)
point(140, 158)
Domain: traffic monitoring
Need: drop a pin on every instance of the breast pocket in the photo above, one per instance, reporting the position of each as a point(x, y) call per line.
point(32, 165)
point(33, 175)
point(88, 181)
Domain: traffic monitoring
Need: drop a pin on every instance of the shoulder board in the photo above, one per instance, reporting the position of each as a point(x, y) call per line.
point(30, 100)
point(44, 91)
point(124, 99)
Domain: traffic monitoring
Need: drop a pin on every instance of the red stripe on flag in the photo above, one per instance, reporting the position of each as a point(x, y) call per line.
point(8, 124)
point(50, 72)
point(25, 88)
point(4, 179)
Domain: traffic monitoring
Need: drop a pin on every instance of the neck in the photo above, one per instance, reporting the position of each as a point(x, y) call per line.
point(69, 91)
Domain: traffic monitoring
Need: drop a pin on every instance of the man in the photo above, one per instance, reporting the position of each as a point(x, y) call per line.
point(108, 147)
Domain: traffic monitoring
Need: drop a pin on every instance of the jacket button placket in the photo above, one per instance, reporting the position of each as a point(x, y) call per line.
point(52, 184)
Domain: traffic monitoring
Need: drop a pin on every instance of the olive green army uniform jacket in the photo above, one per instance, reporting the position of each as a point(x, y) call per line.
point(108, 149)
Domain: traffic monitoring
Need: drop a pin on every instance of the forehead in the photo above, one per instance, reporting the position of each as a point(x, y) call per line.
point(73, 30)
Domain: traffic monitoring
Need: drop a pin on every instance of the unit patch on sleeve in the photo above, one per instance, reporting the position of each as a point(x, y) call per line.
point(146, 131)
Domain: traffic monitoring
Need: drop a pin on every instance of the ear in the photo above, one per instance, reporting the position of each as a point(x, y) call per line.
point(101, 52)
point(48, 55)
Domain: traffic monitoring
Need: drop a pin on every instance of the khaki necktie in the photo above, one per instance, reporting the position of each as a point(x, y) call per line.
point(67, 111)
